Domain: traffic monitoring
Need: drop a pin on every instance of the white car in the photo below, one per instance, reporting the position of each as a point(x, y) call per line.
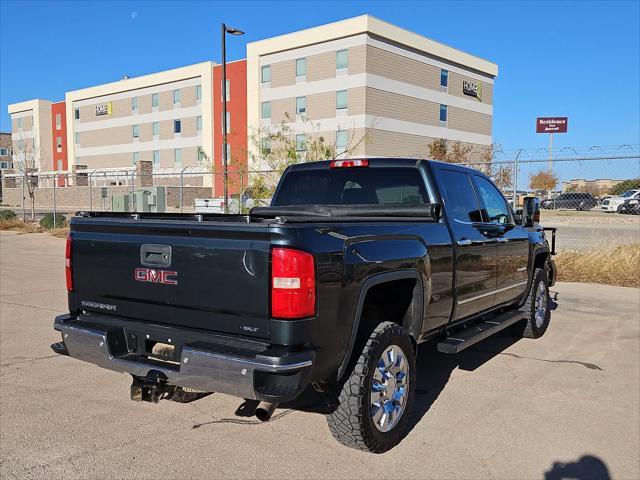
point(612, 204)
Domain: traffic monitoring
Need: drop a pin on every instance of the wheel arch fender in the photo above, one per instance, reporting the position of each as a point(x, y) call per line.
point(412, 322)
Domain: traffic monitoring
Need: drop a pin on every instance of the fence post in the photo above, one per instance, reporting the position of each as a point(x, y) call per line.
point(132, 199)
point(55, 180)
point(182, 188)
point(90, 192)
point(515, 184)
point(24, 213)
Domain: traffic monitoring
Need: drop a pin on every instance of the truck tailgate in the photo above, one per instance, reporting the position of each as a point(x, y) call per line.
point(207, 275)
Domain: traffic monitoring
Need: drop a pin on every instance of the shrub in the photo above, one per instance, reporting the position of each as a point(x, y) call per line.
point(47, 221)
point(6, 215)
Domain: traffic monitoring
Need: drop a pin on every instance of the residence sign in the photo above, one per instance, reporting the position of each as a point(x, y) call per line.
point(552, 124)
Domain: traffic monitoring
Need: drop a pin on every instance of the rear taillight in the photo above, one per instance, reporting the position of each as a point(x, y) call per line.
point(67, 264)
point(293, 284)
point(348, 163)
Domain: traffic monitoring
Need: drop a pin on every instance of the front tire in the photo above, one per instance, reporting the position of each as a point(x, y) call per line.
point(537, 307)
point(376, 400)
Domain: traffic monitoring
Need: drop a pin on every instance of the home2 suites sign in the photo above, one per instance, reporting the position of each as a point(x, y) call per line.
point(104, 109)
point(472, 89)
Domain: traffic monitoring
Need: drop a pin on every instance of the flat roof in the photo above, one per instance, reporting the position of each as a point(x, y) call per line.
point(375, 26)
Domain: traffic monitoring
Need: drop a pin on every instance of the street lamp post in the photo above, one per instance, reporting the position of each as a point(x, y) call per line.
point(233, 31)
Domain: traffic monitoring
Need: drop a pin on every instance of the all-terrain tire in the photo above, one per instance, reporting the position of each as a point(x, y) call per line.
point(532, 328)
point(351, 422)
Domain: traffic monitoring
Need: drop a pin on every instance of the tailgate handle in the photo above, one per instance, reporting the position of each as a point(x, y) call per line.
point(155, 255)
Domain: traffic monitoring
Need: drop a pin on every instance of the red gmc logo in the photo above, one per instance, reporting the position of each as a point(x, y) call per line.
point(148, 275)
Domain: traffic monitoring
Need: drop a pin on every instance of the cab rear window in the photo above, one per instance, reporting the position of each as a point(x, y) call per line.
point(352, 186)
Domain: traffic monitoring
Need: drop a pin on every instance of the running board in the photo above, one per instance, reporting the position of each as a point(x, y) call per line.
point(479, 331)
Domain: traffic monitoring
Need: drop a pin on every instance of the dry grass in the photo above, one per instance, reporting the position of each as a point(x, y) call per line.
point(16, 225)
point(611, 266)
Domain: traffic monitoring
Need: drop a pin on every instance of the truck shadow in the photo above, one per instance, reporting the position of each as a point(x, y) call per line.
point(435, 368)
point(433, 371)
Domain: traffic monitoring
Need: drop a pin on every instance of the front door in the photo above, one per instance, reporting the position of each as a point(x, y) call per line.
point(475, 247)
point(513, 242)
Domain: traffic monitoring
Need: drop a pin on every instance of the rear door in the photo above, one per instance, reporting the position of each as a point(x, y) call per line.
point(207, 275)
point(512, 241)
point(475, 247)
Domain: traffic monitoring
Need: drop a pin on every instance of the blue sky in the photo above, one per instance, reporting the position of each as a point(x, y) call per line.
point(576, 59)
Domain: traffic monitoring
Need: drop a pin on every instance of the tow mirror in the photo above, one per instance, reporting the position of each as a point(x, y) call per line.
point(530, 216)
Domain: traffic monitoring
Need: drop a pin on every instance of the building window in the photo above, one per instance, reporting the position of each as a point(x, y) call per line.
point(198, 92)
point(156, 157)
point(342, 138)
point(134, 104)
point(266, 110)
point(4, 152)
point(443, 113)
point(198, 123)
point(19, 123)
point(59, 144)
point(341, 100)
point(265, 145)
point(301, 142)
point(58, 121)
point(342, 59)
point(155, 100)
point(136, 157)
point(228, 153)
point(301, 67)
point(444, 78)
point(77, 113)
point(177, 126)
point(136, 131)
point(301, 105)
point(200, 156)
point(176, 97)
point(265, 75)
point(77, 138)
point(156, 128)
point(177, 157)
point(228, 121)
point(228, 89)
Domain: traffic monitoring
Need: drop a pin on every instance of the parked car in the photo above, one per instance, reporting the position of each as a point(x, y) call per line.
point(630, 206)
point(579, 201)
point(332, 287)
point(614, 204)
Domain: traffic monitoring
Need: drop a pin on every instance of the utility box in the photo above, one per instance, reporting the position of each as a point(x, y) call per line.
point(150, 199)
point(120, 203)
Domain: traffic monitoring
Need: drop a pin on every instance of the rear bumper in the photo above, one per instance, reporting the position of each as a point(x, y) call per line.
point(267, 375)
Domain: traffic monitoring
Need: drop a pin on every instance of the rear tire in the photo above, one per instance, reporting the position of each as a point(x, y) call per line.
point(368, 393)
point(537, 307)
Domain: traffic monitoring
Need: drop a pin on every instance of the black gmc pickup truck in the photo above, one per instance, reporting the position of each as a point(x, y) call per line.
point(332, 287)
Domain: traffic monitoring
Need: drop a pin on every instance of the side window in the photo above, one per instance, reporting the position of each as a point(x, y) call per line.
point(494, 203)
point(461, 201)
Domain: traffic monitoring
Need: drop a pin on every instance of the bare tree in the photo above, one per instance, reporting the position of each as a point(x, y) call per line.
point(275, 147)
point(27, 160)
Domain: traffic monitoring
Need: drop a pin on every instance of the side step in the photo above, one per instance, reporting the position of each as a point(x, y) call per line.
point(479, 331)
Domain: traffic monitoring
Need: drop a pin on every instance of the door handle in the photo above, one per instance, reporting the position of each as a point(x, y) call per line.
point(464, 242)
point(502, 239)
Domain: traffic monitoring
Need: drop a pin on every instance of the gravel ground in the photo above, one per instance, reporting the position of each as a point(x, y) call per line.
point(564, 406)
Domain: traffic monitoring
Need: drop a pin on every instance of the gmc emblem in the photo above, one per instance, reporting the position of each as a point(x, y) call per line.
point(148, 275)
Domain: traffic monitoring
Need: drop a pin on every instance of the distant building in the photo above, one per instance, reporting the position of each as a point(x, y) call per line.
point(6, 152)
point(599, 186)
point(360, 78)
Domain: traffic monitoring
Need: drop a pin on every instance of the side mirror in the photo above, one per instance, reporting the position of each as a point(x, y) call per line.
point(531, 212)
point(517, 218)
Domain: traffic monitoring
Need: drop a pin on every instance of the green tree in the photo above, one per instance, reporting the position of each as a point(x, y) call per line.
point(622, 187)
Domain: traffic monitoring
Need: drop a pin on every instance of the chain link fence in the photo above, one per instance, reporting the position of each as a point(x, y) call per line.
point(574, 179)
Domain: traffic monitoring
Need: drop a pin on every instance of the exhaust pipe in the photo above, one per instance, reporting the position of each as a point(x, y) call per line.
point(264, 410)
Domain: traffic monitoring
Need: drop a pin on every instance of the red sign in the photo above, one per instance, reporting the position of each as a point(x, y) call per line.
point(552, 124)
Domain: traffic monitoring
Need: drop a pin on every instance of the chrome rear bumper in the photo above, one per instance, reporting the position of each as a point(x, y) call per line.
point(259, 377)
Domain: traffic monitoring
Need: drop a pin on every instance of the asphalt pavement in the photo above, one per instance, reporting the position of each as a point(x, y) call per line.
point(564, 406)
